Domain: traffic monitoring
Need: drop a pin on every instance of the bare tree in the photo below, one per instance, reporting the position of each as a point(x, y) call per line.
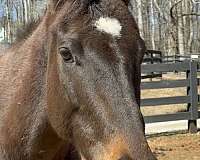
point(17, 13)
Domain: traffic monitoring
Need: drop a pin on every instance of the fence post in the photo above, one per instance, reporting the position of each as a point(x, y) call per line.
point(193, 92)
point(152, 73)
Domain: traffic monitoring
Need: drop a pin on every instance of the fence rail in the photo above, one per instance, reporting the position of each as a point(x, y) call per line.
point(154, 56)
point(191, 98)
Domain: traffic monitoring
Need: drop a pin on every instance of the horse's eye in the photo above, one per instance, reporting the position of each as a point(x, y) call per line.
point(66, 55)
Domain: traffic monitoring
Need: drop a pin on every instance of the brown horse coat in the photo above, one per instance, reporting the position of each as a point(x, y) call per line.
point(38, 117)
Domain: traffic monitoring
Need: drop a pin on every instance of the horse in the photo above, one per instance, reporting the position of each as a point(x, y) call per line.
point(71, 89)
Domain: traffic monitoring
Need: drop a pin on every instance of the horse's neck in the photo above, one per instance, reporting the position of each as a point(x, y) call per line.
point(22, 68)
point(24, 127)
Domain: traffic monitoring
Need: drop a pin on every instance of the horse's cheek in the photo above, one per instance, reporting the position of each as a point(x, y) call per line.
point(58, 108)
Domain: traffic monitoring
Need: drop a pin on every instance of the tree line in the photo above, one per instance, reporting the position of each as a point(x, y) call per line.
point(172, 26)
point(17, 13)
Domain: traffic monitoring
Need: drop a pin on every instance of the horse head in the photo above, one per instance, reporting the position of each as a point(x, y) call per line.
point(93, 79)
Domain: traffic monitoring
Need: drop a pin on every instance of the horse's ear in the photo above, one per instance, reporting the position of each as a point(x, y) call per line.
point(53, 4)
point(126, 2)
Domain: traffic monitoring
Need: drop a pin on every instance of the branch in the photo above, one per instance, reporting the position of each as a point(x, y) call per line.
point(159, 10)
point(171, 11)
point(190, 14)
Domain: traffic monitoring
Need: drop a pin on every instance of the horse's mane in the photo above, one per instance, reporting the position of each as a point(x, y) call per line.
point(22, 34)
point(26, 30)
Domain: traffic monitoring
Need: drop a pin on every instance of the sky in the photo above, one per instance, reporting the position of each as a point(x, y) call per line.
point(1, 10)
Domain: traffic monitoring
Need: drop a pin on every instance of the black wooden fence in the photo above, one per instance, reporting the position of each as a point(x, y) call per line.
point(152, 57)
point(191, 98)
point(155, 56)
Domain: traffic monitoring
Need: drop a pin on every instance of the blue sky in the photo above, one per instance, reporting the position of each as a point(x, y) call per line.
point(1, 10)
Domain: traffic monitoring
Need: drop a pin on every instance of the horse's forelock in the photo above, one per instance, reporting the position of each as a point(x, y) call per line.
point(94, 9)
point(57, 4)
point(126, 2)
point(67, 11)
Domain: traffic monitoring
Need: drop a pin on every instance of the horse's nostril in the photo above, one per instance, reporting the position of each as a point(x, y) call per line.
point(125, 157)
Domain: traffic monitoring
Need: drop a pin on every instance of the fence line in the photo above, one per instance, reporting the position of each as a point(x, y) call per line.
point(154, 57)
point(191, 83)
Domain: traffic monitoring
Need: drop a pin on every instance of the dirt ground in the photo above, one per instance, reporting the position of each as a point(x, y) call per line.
point(179, 146)
point(171, 146)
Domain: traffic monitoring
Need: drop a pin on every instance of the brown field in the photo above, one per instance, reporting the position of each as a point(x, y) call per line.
point(176, 146)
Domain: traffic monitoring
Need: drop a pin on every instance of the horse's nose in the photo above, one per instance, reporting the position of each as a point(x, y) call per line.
point(125, 157)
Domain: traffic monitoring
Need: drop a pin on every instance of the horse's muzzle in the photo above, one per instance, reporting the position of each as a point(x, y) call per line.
point(125, 157)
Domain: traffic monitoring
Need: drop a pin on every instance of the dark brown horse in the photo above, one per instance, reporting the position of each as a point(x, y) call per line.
point(72, 87)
